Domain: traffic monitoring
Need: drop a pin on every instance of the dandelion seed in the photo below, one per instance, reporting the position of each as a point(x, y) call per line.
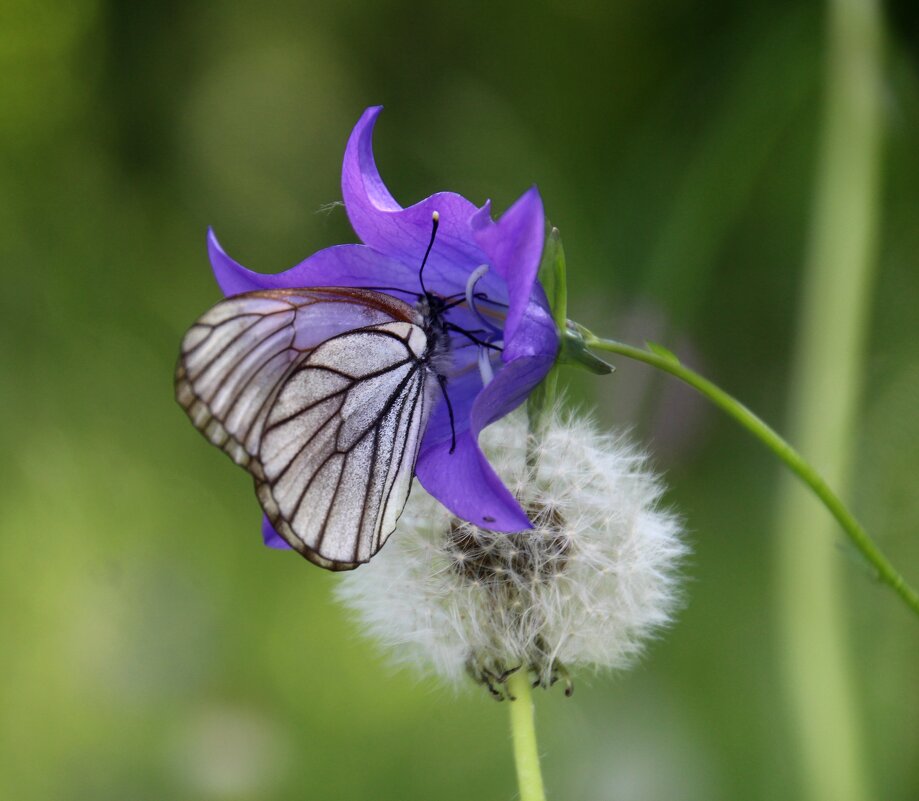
point(586, 587)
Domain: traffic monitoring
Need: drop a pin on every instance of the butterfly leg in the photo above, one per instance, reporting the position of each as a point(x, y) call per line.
point(442, 381)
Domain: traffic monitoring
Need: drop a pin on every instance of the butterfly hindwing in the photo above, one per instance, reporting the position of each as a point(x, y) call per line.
point(340, 443)
point(322, 395)
point(233, 359)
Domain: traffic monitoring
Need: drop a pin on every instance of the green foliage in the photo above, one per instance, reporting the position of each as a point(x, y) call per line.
point(152, 648)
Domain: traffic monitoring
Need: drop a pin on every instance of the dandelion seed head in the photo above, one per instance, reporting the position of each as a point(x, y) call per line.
point(586, 587)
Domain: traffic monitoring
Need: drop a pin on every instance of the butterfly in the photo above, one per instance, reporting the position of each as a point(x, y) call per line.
point(323, 394)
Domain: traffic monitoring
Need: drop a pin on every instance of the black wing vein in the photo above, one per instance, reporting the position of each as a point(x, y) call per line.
point(329, 427)
point(336, 478)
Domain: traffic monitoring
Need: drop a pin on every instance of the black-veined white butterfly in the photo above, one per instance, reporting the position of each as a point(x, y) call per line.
point(329, 424)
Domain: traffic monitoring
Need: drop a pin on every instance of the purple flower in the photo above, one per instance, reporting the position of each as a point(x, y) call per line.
point(510, 341)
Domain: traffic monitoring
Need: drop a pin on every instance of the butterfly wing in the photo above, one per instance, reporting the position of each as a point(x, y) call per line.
point(340, 443)
point(279, 354)
point(236, 356)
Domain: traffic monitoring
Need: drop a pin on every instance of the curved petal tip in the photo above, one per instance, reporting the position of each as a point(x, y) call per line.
point(271, 538)
point(361, 186)
point(232, 277)
point(468, 486)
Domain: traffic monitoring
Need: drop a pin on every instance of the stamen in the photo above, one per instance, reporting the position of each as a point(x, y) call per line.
point(485, 369)
point(471, 336)
point(484, 296)
point(474, 277)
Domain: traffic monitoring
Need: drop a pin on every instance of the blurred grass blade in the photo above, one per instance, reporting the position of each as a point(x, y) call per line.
point(826, 379)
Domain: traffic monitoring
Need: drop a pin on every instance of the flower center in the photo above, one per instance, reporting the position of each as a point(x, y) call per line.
point(514, 578)
point(498, 560)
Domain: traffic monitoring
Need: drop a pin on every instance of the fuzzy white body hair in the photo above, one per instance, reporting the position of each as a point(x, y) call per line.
point(586, 587)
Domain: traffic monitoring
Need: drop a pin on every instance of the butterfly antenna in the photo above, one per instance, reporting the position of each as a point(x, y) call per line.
point(435, 221)
point(442, 380)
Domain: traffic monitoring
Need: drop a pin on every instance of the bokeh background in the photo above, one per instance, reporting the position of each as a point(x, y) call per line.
point(150, 648)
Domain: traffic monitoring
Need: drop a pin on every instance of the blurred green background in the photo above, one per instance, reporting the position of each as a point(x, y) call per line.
point(151, 648)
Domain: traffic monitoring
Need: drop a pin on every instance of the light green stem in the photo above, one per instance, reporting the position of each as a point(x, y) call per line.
point(794, 461)
point(826, 378)
point(523, 731)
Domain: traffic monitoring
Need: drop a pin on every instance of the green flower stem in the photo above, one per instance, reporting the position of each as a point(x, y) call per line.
point(667, 362)
point(523, 731)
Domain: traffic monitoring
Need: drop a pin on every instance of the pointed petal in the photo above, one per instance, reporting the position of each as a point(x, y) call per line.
point(271, 538)
point(464, 481)
point(513, 246)
point(403, 234)
point(536, 334)
point(341, 265)
point(509, 388)
point(360, 177)
point(468, 486)
point(232, 277)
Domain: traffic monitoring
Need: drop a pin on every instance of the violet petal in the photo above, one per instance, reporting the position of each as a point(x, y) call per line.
point(384, 225)
point(340, 265)
point(514, 247)
point(271, 538)
point(468, 486)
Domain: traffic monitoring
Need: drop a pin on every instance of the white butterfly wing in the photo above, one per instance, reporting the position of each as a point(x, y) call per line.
point(328, 423)
point(341, 440)
point(236, 356)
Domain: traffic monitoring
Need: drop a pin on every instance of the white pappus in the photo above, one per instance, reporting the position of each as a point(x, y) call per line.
point(596, 576)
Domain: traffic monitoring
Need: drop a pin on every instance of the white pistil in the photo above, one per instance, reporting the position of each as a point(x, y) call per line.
point(485, 368)
point(474, 278)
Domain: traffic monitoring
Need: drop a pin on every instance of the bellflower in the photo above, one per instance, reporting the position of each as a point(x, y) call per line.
point(507, 341)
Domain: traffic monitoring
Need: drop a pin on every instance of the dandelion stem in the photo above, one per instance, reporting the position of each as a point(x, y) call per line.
point(523, 731)
point(667, 362)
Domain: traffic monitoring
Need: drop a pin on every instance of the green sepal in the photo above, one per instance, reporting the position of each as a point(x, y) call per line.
point(572, 337)
point(552, 277)
point(574, 351)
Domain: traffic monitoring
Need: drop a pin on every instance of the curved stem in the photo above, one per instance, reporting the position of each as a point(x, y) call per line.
point(793, 460)
point(523, 731)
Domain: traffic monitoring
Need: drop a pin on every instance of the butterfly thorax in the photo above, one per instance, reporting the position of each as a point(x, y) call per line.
point(432, 309)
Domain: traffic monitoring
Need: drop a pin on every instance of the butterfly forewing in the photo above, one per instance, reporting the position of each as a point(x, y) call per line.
point(322, 395)
point(236, 356)
point(340, 443)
